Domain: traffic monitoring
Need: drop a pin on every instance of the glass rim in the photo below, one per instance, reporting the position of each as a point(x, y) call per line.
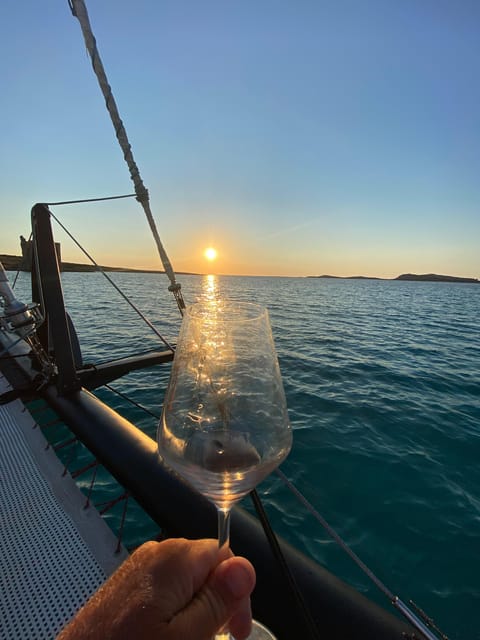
point(229, 310)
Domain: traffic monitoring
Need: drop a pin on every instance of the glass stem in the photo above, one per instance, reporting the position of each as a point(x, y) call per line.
point(223, 532)
point(224, 546)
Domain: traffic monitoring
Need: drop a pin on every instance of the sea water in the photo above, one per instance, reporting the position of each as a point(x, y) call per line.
point(383, 387)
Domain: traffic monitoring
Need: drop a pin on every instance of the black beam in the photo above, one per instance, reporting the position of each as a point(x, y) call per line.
point(95, 376)
point(47, 289)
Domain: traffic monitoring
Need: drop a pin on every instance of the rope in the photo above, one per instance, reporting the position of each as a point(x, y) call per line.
point(122, 524)
point(92, 482)
point(79, 10)
point(109, 504)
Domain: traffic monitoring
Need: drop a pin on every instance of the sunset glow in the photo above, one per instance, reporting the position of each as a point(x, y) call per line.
point(210, 254)
point(377, 176)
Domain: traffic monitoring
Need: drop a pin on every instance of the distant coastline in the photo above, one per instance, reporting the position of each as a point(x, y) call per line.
point(13, 263)
point(433, 277)
point(413, 277)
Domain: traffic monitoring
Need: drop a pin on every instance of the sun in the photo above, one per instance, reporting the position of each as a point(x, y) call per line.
point(210, 254)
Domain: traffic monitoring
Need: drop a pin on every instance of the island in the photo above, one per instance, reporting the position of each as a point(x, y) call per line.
point(434, 277)
point(413, 277)
point(347, 277)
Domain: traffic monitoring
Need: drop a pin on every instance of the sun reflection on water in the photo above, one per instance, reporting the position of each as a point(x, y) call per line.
point(210, 290)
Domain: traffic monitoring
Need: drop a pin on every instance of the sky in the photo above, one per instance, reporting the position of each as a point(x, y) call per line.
point(297, 138)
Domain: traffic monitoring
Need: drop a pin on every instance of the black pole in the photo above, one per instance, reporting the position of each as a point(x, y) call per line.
point(47, 289)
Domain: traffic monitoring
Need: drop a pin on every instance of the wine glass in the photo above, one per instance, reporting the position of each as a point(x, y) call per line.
point(225, 425)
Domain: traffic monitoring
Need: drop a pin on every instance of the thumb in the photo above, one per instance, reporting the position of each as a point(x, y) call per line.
point(225, 596)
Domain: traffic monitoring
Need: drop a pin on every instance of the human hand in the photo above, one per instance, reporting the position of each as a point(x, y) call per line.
point(171, 590)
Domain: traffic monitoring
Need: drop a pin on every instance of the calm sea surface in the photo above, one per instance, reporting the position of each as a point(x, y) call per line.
point(383, 387)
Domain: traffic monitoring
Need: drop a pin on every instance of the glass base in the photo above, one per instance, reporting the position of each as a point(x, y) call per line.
point(259, 632)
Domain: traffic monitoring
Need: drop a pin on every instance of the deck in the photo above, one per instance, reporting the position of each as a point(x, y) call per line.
point(54, 553)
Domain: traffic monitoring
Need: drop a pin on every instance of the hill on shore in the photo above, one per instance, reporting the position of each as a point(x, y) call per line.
point(13, 263)
point(433, 277)
point(425, 277)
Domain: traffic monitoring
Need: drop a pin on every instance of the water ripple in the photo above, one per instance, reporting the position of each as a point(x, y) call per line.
point(383, 387)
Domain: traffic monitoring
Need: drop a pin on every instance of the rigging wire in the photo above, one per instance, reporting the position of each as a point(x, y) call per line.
point(114, 285)
point(395, 600)
point(56, 204)
point(132, 402)
point(79, 10)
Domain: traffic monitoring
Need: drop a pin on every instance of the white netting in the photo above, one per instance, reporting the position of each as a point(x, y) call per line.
point(46, 570)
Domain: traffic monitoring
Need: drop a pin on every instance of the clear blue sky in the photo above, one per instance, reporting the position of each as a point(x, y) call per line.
point(297, 138)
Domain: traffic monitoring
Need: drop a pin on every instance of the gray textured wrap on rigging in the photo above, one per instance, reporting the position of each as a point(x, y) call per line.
point(79, 10)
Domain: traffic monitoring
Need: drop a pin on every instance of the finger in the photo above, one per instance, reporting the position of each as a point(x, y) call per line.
point(188, 562)
point(240, 624)
point(225, 594)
